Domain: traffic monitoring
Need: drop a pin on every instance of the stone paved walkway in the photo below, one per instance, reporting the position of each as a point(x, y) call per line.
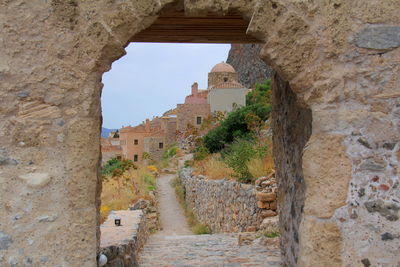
point(205, 250)
point(175, 246)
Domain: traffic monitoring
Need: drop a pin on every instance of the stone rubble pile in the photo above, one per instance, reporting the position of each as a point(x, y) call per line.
point(188, 143)
point(150, 211)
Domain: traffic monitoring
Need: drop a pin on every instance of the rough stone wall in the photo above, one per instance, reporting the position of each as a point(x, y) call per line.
point(341, 58)
point(215, 78)
point(291, 125)
point(151, 146)
point(223, 205)
point(186, 115)
point(246, 60)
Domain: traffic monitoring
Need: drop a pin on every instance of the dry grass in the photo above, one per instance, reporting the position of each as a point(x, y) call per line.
point(214, 168)
point(121, 191)
point(261, 167)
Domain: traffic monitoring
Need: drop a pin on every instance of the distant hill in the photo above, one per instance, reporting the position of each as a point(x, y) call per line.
point(105, 132)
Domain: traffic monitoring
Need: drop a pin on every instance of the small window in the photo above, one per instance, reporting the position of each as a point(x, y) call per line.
point(225, 79)
point(199, 120)
point(135, 158)
point(160, 145)
point(136, 142)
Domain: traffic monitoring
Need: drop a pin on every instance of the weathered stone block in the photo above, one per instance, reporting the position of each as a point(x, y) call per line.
point(273, 205)
point(268, 213)
point(388, 210)
point(246, 238)
point(36, 179)
point(327, 172)
point(261, 196)
point(262, 205)
point(5, 241)
point(379, 37)
point(321, 243)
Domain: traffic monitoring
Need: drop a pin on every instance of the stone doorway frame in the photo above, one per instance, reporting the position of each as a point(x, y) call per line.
point(339, 59)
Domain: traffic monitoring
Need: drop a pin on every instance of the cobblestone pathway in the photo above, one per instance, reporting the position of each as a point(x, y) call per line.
point(205, 250)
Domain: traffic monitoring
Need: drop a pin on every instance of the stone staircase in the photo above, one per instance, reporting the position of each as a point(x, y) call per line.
point(206, 250)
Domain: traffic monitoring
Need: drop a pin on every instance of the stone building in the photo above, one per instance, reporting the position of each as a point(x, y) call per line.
point(223, 93)
point(193, 111)
point(151, 137)
point(110, 148)
point(225, 96)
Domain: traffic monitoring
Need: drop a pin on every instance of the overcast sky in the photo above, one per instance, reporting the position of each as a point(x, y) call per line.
point(152, 78)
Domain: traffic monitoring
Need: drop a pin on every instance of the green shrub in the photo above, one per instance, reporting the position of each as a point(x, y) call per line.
point(261, 93)
point(170, 152)
point(271, 234)
point(188, 163)
point(235, 126)
point(242, 122)
point(200, 153)
point(116, 167)
point(239, 153)
point(201, 229)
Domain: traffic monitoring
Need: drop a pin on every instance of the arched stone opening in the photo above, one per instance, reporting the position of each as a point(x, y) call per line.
point(340, 59)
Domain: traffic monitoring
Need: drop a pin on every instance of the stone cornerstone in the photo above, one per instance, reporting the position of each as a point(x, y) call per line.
point(341, 59)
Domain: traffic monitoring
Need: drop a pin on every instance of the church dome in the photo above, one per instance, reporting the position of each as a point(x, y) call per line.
point(223, 67)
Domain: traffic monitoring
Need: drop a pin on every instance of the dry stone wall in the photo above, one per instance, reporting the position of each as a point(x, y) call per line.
point(225, 205)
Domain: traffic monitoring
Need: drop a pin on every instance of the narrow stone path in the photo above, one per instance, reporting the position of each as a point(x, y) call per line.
point(176, 246)
point(173, 221)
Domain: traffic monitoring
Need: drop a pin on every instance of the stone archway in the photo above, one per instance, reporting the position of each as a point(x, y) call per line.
point(341, 60)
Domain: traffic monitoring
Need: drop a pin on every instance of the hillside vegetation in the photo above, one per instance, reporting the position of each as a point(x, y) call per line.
point(239, 146)
point(124, 184)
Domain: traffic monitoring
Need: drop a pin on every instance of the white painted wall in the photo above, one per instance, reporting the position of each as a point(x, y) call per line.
point(223, 99)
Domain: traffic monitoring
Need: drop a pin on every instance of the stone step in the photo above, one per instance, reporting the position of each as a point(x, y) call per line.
point(206, 250)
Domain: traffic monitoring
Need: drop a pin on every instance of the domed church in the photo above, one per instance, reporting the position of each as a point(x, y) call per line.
point(224, 91)
point(223, 94)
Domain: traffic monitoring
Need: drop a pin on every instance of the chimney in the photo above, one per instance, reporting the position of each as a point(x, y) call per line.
point(195, 88)
point(147, 125)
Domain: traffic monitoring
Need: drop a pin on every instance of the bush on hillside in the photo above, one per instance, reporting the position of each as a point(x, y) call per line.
point(243, 122)
point(261, 93)
point(235, 126)
point(240, 153)
point(115, 167)
point(170, 152)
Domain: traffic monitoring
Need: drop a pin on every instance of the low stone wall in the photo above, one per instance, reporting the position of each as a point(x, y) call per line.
point(121, 244)
point(223, 205)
